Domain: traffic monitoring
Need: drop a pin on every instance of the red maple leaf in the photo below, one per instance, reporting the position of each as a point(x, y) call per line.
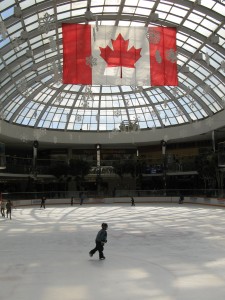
point(120, 56)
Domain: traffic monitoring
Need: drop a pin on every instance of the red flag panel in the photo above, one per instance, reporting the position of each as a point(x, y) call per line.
point(76, 48)
point(163, 66)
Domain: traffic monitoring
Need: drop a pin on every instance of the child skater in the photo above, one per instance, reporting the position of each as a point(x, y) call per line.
point(100, 240)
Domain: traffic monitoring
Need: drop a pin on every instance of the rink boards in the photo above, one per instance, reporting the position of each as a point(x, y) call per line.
point(120, 200)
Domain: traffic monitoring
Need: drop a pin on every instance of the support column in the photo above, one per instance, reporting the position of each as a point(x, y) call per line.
point(164, 144)
point(35, 149)
point(213, 141)
point(98, 157)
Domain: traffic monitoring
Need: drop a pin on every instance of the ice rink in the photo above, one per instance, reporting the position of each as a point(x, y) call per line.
point(155, 251)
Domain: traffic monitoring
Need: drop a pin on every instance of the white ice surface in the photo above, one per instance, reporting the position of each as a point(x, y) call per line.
point(159, 252)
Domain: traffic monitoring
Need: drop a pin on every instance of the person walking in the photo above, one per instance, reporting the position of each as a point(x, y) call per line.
point(3, 208)
point(9, 209)
point(81, 195)
point(100, 241)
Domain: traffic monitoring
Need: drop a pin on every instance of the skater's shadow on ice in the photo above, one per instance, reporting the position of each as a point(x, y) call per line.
point(96, 263)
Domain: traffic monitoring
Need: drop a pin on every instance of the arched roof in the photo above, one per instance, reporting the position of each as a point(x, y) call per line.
point(32, 93)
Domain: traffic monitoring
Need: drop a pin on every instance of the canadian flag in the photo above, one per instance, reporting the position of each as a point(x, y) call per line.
point(112, 55)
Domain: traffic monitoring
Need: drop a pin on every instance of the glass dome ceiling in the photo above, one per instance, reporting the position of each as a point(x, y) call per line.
point(32, 92)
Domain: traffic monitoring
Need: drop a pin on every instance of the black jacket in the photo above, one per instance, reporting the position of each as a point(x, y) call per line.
point(101, 236)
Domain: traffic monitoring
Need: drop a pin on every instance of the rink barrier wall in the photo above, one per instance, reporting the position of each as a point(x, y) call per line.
point(122, 200)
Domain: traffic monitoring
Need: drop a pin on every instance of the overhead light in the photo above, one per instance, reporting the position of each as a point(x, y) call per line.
point(3, 30)
point(199, 56)
point(185, 69)
point(215, 39)
point(24, 35)
point(17, 12)
point(37, 79)
point(154, 17)
point(34, 68)
point(29, 53)
point(223, 67)
point(89, 16)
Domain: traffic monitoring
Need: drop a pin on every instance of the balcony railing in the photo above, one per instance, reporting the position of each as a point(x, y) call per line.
point(208, 193)
point(20, 165)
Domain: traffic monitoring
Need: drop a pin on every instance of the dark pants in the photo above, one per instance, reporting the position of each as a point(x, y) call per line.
point(8, 213)
point(3, 212)
point(99, 247)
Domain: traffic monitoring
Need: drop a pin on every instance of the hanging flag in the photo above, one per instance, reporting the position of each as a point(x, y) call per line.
point(115, 55)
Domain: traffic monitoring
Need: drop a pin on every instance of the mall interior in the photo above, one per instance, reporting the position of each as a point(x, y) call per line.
point(59, 139)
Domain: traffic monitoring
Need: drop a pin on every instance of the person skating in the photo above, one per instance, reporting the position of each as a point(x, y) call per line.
point(181, 199)
point(9, 209)
point(81, 195)
point(132, 201)
point(100, 240)
point(43, 199)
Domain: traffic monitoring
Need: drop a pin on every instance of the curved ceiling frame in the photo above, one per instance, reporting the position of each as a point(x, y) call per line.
point(190, 57)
